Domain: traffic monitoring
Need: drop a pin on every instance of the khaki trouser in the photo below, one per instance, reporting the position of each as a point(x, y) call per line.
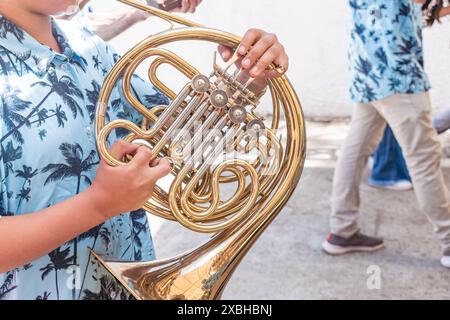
point(409, 116)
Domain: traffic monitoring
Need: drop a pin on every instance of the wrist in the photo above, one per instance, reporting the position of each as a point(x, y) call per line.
point(137, 15)
point(98, 204)
point(445, 11)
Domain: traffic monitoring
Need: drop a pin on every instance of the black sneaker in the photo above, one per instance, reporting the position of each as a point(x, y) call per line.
point(359, 242)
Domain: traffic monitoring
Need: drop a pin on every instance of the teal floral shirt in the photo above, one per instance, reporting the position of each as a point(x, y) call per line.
point(386, 50)
point(48, 154)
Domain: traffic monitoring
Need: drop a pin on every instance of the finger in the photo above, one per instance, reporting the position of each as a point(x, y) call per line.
point(266, 60)
point(83, 3)
point(142, 158)
point(192, 5)
point(122, 148)
point(249, 39)
point(161, 170)
point(282, 61)
point(196, 3)
point(155, 162)
point(225, 52)
point(184, 6)
point(258, 50)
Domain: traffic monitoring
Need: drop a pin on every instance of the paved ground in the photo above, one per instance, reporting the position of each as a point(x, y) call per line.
point(287, 262)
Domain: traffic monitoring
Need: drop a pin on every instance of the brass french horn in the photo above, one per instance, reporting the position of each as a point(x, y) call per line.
point(235, 148)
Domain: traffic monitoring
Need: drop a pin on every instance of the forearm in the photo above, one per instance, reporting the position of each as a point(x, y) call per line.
point(444, 12)
point(27, 237)
point(110, 25)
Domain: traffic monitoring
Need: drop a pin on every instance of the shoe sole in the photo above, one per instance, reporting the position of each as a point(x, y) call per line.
point(334, 250)
point(445, 262)
point(390, 188)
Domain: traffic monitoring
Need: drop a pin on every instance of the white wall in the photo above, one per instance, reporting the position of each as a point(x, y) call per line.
point(314, 33)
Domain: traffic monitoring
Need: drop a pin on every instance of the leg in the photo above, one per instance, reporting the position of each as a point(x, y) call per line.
point(402, 167)
point(389, 164)
point(365, 132)
point(410, 119)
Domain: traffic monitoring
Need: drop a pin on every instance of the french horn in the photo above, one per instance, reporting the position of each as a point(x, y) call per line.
point(235, 148)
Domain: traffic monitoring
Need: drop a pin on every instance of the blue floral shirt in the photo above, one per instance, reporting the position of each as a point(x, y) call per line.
point(386, 51)
point(48, 154)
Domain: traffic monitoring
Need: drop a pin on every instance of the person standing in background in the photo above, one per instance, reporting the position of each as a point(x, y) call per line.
point(108, 25)
point(433, 11)
point(389, 86)
point(389, 170)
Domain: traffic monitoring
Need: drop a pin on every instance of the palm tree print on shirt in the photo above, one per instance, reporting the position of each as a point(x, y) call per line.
point(43, 115)
point(44, 296)
point(8, 156)
point(109, 290)
point(7, 27)
point(138, 225)
point(92, 96)
point(26, 173)
point(59, 260)
point(46, 148)
point(6, 67)
point(7, 286)
point(75, 167)
point(13, 106)
point(64, 87)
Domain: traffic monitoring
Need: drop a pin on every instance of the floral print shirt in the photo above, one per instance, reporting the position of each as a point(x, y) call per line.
point(386, 50)
point(48, 154)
